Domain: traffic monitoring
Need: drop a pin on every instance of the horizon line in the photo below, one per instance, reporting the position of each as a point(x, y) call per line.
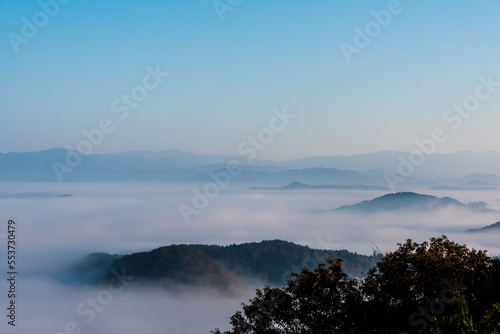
point(236, 156)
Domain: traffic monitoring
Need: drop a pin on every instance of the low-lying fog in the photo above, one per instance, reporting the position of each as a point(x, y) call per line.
point(54, 229)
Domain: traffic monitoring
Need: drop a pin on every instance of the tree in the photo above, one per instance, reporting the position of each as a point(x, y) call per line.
point(411, 287)
point(304, 306)
point(438, 287)
point(461, 321)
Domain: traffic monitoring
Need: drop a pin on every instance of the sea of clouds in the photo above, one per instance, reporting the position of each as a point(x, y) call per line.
point(54, 230)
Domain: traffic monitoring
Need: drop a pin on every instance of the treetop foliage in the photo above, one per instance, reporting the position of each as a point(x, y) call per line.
point(436, 287)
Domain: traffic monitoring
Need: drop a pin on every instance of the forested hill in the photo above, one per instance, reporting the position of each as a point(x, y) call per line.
point(221, 266)
point(273, 260)
point(170, 265)
point(411, 201)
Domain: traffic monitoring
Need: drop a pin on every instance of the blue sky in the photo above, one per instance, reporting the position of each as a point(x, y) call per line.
point(226, 76)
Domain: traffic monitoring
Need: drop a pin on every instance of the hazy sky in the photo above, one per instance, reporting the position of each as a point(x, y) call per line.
point(66, 71)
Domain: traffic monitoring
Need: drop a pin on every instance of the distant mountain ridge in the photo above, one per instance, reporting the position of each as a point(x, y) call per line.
point(303, 186)
point(455, 164)
point(407, 200)
point(450, 170)
point(490, 228)
point(164, 166)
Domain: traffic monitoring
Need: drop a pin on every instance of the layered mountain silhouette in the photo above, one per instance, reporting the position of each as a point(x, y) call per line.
point(471, 182)
point(490, 228)
point(440, 170)
point(224, 267)
point(474, 180)
point(169, 166)
point(303, 186)
point(406, 201)
point(441, 165)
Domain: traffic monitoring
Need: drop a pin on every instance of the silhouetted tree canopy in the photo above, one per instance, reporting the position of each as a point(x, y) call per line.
point(433, 287)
